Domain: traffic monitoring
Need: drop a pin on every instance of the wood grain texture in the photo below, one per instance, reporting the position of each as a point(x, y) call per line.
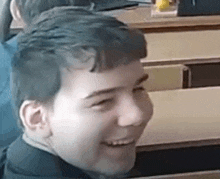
point(140, 18)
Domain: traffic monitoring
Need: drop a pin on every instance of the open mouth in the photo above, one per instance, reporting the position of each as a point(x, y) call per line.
point(119, 143)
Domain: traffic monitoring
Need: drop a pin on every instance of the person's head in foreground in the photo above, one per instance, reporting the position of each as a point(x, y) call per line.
point(23, 11)
point(77, 86)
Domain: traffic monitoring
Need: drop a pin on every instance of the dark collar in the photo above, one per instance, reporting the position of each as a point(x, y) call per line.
point(31, 161)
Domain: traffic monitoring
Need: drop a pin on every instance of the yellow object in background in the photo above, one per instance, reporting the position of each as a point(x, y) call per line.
point(162, 4)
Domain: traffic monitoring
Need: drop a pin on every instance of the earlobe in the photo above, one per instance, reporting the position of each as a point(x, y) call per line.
point(15, 12)
point(34, 118)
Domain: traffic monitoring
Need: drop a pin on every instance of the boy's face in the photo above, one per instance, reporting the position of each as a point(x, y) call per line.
point(98, 117)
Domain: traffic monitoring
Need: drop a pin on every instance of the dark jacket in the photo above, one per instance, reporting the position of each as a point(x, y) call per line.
point(22, 161)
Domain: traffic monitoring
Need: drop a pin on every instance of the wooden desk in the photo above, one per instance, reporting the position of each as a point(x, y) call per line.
point(183, 118)
point(194, 175)
point(140, 17)
point(200, 44)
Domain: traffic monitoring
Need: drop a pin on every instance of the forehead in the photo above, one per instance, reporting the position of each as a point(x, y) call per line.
point(84, 81)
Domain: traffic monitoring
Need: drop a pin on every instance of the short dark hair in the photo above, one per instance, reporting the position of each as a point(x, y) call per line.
point(69, 37)
point(29, 9)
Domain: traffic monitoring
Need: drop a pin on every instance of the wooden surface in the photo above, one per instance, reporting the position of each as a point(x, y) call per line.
point(183, 47)
point(198, 41)
point(194, 175)
point(182, 61)
point(189, 117)
point(167, 77)
point(140, 17)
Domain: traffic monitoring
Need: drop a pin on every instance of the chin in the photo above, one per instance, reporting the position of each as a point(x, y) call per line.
point(118, 169)
point(118, 173)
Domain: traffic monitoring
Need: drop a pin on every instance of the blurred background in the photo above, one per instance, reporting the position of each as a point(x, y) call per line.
point(1, 4)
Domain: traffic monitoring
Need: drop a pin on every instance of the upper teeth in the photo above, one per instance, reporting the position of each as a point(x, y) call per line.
point(120, 142)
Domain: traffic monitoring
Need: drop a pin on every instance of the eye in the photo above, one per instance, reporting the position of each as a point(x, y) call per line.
point(102, 102)
point(139, 89)
point(103, 105)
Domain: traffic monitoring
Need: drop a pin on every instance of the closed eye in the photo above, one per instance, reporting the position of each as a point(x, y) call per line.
point(141, 88)
point(103, 102)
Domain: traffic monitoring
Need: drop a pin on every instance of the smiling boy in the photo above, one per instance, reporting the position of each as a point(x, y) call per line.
point(77, 87)
point(21, 12)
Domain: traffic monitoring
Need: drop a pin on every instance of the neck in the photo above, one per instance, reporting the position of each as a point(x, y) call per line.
point(37, 144)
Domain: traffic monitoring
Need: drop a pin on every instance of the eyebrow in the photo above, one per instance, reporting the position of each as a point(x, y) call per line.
point(142, 79)
point(112, 90)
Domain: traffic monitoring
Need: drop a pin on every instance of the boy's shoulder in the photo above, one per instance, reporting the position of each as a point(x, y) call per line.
point(22, 161)
point(3, 152)
point(8, 48)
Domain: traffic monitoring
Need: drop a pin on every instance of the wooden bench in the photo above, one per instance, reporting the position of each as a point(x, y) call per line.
point(193, 175)
point(188, 117)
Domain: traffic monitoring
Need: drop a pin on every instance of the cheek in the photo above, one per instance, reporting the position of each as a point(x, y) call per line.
point(77, 128)
point(76, 138)
point(77, 144)
point(150, 108)
point(146, 106)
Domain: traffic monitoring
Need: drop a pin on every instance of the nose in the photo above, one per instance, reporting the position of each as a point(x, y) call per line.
point(130, 113)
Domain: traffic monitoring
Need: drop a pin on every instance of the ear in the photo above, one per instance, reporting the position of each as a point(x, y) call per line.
point(35, 119)
point(15, 12)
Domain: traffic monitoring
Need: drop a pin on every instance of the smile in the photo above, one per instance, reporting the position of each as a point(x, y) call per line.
point(119, 142)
